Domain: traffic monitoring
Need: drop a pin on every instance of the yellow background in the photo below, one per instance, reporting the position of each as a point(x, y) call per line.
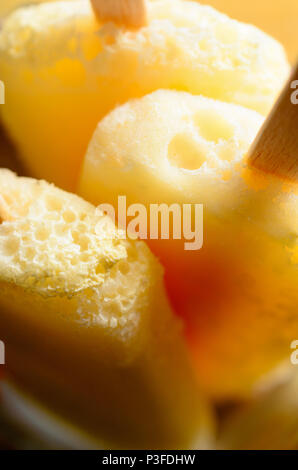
point(277, 17)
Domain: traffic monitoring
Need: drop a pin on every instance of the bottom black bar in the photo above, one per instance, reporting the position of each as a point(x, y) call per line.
point(134, 459)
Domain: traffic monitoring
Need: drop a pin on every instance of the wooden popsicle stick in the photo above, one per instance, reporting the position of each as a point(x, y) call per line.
point(130, 13)
point(275, 149)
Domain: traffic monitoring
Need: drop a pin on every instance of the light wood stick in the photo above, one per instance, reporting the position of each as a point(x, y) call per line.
point(130, 13)
point(275, 149)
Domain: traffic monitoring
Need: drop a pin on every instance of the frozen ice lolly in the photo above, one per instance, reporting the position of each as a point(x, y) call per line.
point(86, 323)
point(64, 71)
point(238, 295)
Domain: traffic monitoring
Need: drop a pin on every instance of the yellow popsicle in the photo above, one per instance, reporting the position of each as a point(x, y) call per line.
point(238, 294)
point(86, 324)
point(64, 71)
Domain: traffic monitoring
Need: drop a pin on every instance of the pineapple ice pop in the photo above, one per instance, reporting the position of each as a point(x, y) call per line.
point(86, 323)
point(268, 423)
point(64, 71)
point(238, 294)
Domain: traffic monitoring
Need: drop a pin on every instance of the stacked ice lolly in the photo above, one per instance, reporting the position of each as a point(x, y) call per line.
point(64, 71)
point(238, 294)
point(86, 323)
point(185, 143)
